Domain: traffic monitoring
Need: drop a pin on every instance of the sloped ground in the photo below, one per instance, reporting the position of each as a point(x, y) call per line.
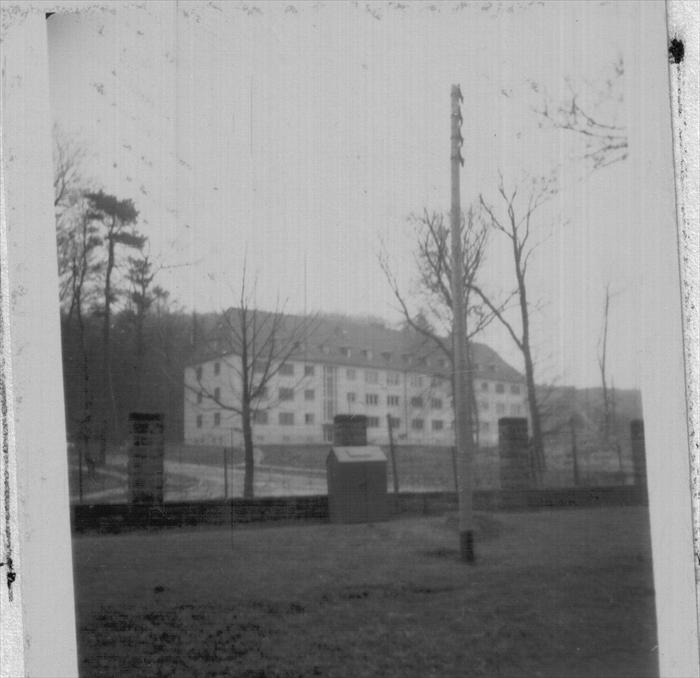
point(554, 594)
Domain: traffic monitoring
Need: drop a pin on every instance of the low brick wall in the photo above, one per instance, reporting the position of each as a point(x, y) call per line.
point(118, 517)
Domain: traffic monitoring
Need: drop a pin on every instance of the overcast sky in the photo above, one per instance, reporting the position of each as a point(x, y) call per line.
point(302, 136)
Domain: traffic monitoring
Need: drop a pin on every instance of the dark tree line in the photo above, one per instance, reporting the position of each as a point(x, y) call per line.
point(124, 345)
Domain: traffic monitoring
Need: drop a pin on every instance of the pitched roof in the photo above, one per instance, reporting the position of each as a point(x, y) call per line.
point(355, 342)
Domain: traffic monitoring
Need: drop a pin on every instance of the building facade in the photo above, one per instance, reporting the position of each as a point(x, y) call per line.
point(391, 376)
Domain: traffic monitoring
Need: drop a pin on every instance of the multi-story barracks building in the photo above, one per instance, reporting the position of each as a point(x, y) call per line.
point(397, 378)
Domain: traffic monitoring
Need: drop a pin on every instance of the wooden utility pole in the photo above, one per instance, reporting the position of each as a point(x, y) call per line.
point(463, 434)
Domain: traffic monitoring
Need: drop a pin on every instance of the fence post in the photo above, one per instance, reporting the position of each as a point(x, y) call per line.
point(574, 451)
point(225, 473)
point(454, 468)
point(392, 452)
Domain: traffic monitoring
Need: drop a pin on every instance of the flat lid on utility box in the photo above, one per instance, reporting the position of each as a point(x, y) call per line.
point(358, 454)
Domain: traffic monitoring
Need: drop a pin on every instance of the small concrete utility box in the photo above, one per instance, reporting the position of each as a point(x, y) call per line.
point(357, 484)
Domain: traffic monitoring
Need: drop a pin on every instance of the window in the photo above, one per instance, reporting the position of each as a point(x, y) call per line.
point(500, 408)
point(416, 401)
point(372, 422)
point(392, 400)
point(351, 397)
point(199, 421)
point(286, 393)
point(371, 376)
point(287, 369)
point(515, 389)
point(309, 370)
point(435, 382)
point(417, 424)
point(393, 378)
point(309, 418)
point(436, 403)
point(442, 363)
point(217, 368)
point(262, 392)
point(345, 351)
point(437, 424)
point(386, 355)
point(492, 368)
point(217, 393)
point(260, 417)
point(484, 404)
point(309, 394)
point(367, 353)
point(199, 397)
point(351, 374)
point(324, 349)
point(198, 372)
point(217, 418)
point(371, 399)
point(500, 388)
point(394, 422)
point(286, 418)
point(484, 385)
point(515, 410)
point(416, 380)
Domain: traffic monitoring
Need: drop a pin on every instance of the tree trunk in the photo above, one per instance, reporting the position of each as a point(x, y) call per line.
point(537, 447)
point(535, 419)
point(248, 481)
point(108, 391)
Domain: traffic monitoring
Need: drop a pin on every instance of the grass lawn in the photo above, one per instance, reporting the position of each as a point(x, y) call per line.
point(557, 594)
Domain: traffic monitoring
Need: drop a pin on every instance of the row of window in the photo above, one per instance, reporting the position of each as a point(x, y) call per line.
point(515, 410)
point(501, 388)
point(262, 417)
point(287, 394)
point(371, 377)
point(287, 419)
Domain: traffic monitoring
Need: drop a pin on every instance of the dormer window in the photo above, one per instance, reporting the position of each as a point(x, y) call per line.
point(386, 355)
point(324, 349)
point(345, 351)
point(367, 353)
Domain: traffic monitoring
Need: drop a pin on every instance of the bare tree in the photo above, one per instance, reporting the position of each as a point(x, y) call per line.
point(605, 139)
point(433, 262)
point(254, 345)
point(608, 394)
point(68, 181)
point(82, 241)
point(514, 221)
point(116, 216)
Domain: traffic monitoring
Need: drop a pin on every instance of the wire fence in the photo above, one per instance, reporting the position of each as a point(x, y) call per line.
point(194, 472)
